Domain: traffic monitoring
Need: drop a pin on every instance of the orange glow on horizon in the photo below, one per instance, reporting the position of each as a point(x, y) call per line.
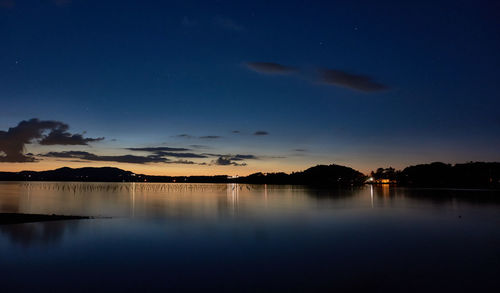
point(161, 168)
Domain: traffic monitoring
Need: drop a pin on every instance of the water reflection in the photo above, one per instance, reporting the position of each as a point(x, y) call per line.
point(155, 200)
point(208, 202)
point(213, 201)
point(44, 233)
point(169, 237)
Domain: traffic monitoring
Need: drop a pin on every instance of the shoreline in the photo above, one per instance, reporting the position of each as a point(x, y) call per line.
point(20, 218)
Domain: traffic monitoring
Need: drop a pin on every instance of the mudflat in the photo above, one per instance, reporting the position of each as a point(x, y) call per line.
point(17, 218)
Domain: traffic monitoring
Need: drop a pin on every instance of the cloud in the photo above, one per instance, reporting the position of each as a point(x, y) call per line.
point(333, 77)
point(185, 162)
point(261, 132)
point(300, 150)
point(166, 152)
point(352, 81)
point(227, 24)
point(244, 157)
point(237, 157)
point(235, 131)
point(226, 161)
point(158, 149)
point(119, 159)
point(198, 146)
point(234, 160)
point(169, 152)
point(86, 157)
point(180, 155)
point(210, 137)
point(270, 68)
point(214, 155)
point(183, 135)
point(60, 137)
point(13, 141)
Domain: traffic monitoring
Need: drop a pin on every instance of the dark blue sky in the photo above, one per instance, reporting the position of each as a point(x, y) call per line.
point(139, 73)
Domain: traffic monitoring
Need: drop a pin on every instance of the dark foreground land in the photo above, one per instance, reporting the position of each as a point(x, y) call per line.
point(15, 218)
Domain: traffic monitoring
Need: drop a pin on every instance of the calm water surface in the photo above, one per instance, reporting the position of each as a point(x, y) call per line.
point(229, 237)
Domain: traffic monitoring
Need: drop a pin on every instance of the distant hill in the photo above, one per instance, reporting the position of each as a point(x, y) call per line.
point(103, 174)
point(318, 175)
point(437, 174)
point(68, 174)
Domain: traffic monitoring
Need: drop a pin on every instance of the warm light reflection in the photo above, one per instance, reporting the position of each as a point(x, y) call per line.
point(232, 196)
point(159, 199)
point(371, 194)
point(133, 199)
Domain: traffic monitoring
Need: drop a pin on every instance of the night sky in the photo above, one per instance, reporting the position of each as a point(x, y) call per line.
point(235, 87)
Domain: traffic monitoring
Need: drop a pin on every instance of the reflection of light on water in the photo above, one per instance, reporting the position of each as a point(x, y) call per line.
point(385, 189)
point(371, 193)
point(265, 195)
point(232, 195)
point(133, 199)
point(29, 196)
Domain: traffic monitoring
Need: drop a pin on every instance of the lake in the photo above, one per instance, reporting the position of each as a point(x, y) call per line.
point(237, 237)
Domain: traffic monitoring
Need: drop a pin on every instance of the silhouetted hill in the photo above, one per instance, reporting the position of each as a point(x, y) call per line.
point(69, 174)
point(103, 174)
point(437, 174)
point(318, 175)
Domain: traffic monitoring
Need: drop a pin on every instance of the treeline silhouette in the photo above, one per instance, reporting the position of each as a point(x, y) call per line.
point(102, 174)
point(437, 174)
point(318, 175)
point(468, 175)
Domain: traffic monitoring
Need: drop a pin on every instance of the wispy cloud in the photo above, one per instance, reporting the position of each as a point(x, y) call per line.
point(270, 68)
point(227, 161)
point(189, 136)
point(348, 80)
point(183, 135)
point(158, 149)
point(186, 162)
point(13, 141)
point(243, 157)
point(180, 155)
point(169, 152)
point(326, 76)
point(131, 159)
point(61, 137)
point(199, 146)
point(237, 157)
point(210, 137)
point(261, 132)
point(119, 159)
